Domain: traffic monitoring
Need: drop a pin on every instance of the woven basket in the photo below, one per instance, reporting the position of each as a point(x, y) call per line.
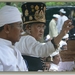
point(71, 45)
point(67, 55)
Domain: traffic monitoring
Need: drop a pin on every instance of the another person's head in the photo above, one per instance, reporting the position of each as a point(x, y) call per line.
point(34, 19)
point(10, 23)
point(55, 57)
point(62, 12)
point(64, 47)
point(55, 16)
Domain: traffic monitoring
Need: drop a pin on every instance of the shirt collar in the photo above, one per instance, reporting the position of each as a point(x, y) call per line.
point(5, 42)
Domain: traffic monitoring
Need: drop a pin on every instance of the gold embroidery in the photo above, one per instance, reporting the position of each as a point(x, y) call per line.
point(34, 13)
point(32, 6)
point(32, 10)
point(26, 12)
point(39, 16)
point(23, 18)
point(36, 7)
point(30, 17)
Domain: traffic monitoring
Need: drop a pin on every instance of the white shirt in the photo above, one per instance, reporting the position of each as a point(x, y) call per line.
point(53, 32)
point(10, 57)
point(28, 45)
point(60, 22)
point(66, 66)
point(53, 67)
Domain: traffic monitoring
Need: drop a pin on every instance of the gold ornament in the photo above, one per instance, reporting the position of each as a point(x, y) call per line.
point(39, 16)
point(24, 19)
point(36, 7)
point(32, 10)
point(32, 6)
point(26, 12)
point(30, 17)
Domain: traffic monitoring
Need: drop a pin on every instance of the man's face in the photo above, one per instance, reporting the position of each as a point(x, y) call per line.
point(15, 30)
point(56, 59)
point(37, 30)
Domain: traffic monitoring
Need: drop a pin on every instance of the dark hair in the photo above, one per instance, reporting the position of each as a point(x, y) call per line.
point(1, 28)
point(53, 57)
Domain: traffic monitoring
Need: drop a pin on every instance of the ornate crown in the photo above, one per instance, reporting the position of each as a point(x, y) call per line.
point(33, 12)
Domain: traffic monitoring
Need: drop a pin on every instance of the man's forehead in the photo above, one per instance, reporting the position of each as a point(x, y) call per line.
point(39, 23)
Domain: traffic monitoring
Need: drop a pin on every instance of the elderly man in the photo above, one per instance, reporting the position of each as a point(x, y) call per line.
point(34, 24)
point(10, 32)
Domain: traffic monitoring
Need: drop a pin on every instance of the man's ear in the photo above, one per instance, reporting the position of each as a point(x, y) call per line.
point(28, 27)
point(7, 28)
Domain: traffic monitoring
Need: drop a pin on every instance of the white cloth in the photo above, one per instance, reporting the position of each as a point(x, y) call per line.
point(66, 66)
point(53, 32)
point(62, 11)
point(47, 37)
point(62, 43)
point(29, 46)
point(53, 67)
point(10, 57)
point(56, 15)
point(9, 14)
point(54, 53)
point(60, 22)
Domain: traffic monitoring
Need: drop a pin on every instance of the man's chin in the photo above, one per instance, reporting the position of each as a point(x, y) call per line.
point(40, 39)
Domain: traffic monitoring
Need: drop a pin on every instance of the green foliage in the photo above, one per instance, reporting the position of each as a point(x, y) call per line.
point(18, 4)
point(60, 3)
point(2, 4)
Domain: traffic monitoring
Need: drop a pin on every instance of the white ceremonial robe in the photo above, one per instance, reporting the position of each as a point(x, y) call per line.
point(53, 32)
point(10, 57)
point(66, 66)
point(60, 22)
point(53, 67)
point(29, 46)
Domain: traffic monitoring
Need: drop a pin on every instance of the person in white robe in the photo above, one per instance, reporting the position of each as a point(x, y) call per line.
point(62, 18)
point(55, 58)
point(53, 32)
point(29, 42)
point(10, 32)
point(33, 15)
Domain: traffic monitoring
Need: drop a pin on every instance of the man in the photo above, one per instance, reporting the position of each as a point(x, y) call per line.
point(55, 58)
point(34, 24)
point(53, 32)
point(62, 18)
point(10, 32)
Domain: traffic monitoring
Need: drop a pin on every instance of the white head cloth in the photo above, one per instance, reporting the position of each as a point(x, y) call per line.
point(62, 11)
point(54, 54)
point(56, 15)
point(9, 14)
